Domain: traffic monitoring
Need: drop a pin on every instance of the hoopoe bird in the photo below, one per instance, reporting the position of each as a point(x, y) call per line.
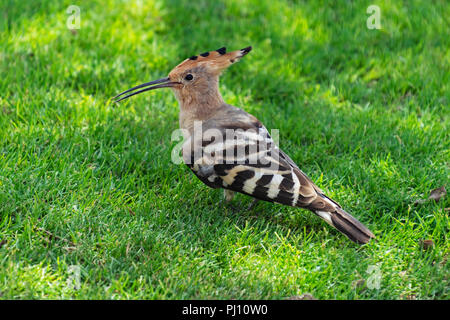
point(233, 150)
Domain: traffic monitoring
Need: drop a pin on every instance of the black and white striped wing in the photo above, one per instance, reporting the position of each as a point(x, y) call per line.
point(252, 164)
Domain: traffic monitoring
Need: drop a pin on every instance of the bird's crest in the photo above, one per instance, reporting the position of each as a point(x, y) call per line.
point(215, 61)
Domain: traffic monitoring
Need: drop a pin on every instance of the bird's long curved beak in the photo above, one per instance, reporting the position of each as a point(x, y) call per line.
point(160, 83)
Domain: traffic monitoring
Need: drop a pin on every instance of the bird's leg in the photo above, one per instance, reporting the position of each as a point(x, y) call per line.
point(252, 205)
point(228, 194)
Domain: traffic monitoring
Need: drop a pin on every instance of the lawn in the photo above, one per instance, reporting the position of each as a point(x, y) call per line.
point(88, 191)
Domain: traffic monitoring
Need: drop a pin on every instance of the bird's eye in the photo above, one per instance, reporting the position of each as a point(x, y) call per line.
point(189, 77)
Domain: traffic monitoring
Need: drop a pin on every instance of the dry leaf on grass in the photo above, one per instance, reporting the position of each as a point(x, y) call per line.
point(426, 244)
point(435, 194)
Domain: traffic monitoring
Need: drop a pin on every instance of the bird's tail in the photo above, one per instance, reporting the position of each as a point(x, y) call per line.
point(346, 223)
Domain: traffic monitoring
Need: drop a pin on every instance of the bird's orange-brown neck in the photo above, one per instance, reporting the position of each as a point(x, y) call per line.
point(198, 102)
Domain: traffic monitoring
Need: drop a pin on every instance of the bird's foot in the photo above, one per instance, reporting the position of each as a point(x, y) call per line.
point(228, 194)
point(252, 205)
point(228, 198)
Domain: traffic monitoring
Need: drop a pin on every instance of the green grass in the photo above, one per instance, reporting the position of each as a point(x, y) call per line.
point(85, 182)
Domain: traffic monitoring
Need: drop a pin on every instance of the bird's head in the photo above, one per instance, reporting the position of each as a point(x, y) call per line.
point(195, 79)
